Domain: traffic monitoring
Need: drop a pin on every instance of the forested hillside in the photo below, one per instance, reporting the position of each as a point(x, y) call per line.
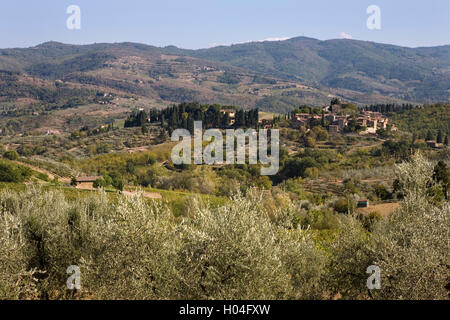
point(420, 74)
point(272, 76)
point(423, 121)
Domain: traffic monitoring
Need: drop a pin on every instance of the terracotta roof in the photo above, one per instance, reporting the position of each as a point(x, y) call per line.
point(87, 179)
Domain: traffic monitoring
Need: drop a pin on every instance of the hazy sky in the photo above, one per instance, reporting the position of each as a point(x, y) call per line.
point(205, 23)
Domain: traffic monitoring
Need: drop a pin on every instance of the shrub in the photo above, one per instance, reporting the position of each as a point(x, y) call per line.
point(43, 176)
point(10, 172)
point(99, 183)
point(344, 205)
point(369, 220)
point(147, 179)
point(321, 219)
point(134, 249)
point(16, 279)
point(11, 155)
point(117, 182)
point(320, 133)
point(382, 192)
point(310, 142)
point(411, 245)
point(249, 248)
point(311, 172)
point(349, 258)
point(237, 253)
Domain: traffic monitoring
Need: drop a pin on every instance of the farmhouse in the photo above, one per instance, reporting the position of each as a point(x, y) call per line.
point(363, 203)
point(87, 179)
point(86, 182)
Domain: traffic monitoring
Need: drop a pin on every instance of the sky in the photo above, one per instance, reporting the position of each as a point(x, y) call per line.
point(194, 24)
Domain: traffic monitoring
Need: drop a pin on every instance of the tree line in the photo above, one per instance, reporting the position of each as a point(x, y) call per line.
point(390, 107)
point(184, 114)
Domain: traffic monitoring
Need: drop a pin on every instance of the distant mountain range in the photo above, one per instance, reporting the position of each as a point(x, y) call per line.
point(272, 75)
point(415, 74)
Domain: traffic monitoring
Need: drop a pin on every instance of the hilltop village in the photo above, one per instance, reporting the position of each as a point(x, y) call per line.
point(336, 118)
point(339, 118)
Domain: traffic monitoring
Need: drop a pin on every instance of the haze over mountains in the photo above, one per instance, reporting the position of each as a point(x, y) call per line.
point(418, 74)
point(272, 75)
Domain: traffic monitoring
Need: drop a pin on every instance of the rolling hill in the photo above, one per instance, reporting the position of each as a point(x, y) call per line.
point(55, 85)
point(414, 74)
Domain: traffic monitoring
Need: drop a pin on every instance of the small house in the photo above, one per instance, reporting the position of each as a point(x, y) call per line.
point(86, 182)
point(363, 203)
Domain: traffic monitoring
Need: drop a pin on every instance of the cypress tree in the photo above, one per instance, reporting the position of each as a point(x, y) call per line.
point(439, 137)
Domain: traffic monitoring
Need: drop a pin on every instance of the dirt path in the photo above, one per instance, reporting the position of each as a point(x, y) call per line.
point(384, 209)
point(51, 175)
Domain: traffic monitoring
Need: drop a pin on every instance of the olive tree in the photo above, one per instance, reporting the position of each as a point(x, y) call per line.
point(411, 246)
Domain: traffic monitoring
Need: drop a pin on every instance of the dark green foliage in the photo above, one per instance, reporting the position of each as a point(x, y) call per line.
point(148, 179)
point(441, 174)
point(369, 220)
point(117, 182)
point(137, 119)
point(382, 192)
point(99, 183)
point(13, 173)
point(228, 78)
point(27, 150)
point(429, 135)
point(426, 122)
point(344, 205)
point(43, 177)
point(439, 137)
point(90, 61)
point(297, 168)
point(399, 149)
point(335, 101)
point(102, 148)
point(184, 115)
point(11, 155)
